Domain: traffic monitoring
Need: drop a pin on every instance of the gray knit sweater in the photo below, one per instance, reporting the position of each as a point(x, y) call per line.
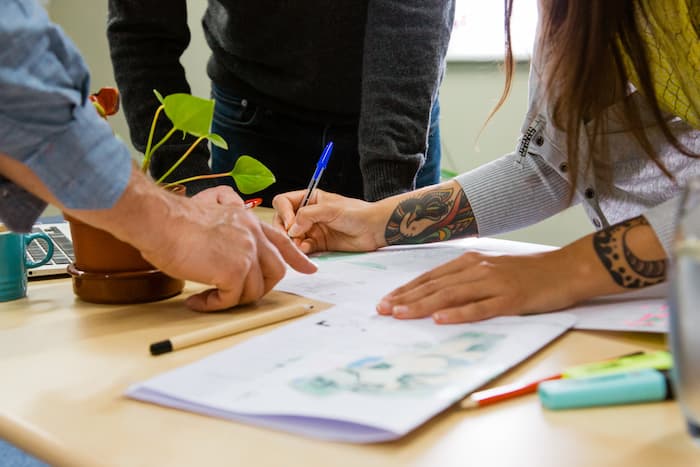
point(375, 62)
point(532, 183)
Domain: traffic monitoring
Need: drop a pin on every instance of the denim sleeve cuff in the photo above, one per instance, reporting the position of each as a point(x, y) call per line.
point(85, 166)
point(19, 209)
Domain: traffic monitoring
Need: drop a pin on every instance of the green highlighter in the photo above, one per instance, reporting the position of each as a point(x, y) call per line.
point(659, 360)
point(638, 377)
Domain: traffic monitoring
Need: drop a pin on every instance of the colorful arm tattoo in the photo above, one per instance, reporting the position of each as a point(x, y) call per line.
point(626, 268)
point(432, 216)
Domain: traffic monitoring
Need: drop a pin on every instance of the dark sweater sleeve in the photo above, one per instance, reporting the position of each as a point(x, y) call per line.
point(146, 41)
point(405, 46)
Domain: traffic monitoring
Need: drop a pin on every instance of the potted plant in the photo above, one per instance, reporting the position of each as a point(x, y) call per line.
point(107, 270)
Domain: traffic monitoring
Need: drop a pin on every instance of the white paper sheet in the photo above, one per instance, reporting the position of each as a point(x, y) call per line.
point(649, 315)
point(348, 374)
point(352, 277)
point(367, 277)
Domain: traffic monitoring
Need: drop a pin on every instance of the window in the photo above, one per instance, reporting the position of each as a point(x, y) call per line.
point(478, 34)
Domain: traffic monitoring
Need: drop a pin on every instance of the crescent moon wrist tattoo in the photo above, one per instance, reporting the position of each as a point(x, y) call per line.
point(626, 268)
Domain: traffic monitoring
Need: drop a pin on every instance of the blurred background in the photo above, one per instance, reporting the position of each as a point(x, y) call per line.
point(472, 85)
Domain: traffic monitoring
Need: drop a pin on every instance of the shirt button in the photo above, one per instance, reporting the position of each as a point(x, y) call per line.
point(244, 102)
point(589, 193)
point(564, 167)
point(539, 140)
point(4, 192)
point(596, 223)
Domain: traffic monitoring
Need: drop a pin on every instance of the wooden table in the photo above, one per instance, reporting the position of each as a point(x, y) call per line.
point(65, 366)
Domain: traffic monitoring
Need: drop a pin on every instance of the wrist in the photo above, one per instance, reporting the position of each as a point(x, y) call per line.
point(380, 213)
point(587, 277)
point(138, 216)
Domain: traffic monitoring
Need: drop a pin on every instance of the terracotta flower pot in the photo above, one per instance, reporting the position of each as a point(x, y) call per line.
point(108, 270)
point(99, 251)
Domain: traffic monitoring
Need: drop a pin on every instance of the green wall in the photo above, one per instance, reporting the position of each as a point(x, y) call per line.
point(468, 93)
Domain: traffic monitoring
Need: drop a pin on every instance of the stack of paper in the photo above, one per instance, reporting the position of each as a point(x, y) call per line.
point(348, 374)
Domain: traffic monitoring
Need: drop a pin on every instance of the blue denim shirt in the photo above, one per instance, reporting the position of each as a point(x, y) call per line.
point(47, 121)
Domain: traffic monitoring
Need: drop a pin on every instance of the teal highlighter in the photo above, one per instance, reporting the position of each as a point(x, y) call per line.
point(610, 389)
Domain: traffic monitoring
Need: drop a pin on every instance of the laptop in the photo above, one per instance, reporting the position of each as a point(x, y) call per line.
point(59, 232)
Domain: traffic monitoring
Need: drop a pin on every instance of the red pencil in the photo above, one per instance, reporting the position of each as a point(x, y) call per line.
point(507, 391)
point(251, 203)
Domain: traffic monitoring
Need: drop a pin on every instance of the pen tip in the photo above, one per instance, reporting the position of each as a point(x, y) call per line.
point(161, 347)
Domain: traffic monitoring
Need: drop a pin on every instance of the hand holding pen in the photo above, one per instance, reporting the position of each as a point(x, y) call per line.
point(346, 232)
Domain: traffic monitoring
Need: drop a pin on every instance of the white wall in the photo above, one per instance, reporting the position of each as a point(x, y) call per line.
point(467, 94)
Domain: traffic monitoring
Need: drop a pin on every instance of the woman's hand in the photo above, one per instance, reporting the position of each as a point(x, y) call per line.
point(475, 286)
point(332, 222)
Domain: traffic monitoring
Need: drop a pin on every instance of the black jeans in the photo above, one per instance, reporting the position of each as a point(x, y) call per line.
point(290, 147)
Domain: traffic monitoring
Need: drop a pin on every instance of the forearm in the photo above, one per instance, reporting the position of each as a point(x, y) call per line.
point(624, 257)
point(140, 217)
point(432, 214)
point(142, 209)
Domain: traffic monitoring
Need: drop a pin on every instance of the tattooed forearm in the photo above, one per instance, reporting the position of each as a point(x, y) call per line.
point(432, 216)
point(627, 268)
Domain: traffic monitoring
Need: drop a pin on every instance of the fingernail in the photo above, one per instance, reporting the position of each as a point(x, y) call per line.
point(294, 231)
point(440, 317)
point(384, 307)
point(400, 310)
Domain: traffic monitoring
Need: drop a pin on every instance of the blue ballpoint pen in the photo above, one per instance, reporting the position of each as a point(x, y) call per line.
point(320, 167)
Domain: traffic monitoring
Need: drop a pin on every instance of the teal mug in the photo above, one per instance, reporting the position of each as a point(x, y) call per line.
point(14, 262)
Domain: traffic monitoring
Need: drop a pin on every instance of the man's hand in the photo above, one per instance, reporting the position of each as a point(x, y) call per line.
point(214, 240)
point(209, 238)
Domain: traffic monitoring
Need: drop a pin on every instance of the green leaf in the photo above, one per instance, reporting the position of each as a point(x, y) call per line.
point(189, 114)
point(251, 175)
point(217, 140)
point(159, 96)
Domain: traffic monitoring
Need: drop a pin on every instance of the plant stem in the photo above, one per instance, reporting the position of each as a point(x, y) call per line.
point(181, 159)
point(147, 155)
point(196, 177)
point(163, 140)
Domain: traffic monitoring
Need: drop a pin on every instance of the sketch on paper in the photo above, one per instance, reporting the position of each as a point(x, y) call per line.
point(648, 315)
point(420, 372)
point(651, 319)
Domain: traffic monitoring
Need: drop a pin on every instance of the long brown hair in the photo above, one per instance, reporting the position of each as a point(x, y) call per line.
point(584, 45)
